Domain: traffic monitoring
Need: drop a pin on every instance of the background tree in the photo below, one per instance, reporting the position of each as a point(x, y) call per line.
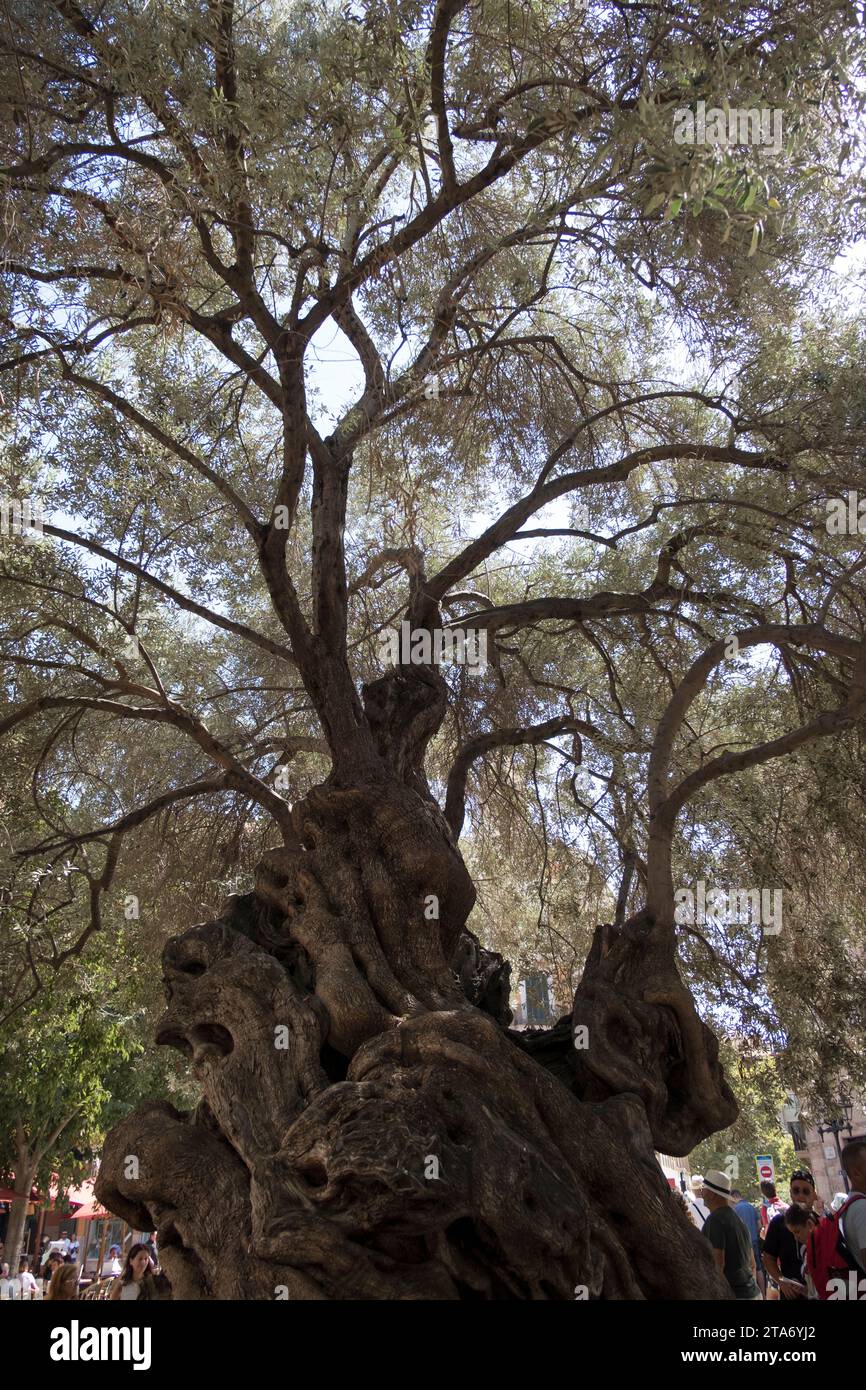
point(598, 417)
point(66, 1069)
point(756, 1130)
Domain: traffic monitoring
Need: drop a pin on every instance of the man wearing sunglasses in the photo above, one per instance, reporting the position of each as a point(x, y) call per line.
point(782, 1257)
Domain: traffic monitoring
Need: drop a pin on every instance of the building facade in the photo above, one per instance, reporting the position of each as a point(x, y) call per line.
point(820, 1152)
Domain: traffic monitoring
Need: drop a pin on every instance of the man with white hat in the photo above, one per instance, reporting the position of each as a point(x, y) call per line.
point(729, 1237)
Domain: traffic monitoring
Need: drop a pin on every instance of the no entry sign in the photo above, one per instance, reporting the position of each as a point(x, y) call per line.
point(766, 1168)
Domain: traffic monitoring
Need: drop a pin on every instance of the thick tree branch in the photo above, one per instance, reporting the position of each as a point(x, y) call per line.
point(507, 525)
point(455, 796)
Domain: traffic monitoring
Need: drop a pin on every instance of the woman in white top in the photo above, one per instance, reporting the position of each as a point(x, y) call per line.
point(136, 1280)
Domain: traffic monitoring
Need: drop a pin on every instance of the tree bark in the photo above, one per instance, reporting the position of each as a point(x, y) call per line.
point(25, 1177)
point(368, 1126)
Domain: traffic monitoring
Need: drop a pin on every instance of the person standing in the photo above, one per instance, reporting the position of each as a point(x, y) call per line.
point(29, 1287)
point(729, 1238)
point(749, 1217)
point(53, 1261)
point(136, 1281)
point(771, 1205)
point(801, 1221)
point(853, 1218)
point(782, 1258)
point(698, 1209)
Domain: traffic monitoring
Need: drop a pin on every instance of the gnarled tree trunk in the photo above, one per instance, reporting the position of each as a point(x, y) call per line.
point(369, 1127)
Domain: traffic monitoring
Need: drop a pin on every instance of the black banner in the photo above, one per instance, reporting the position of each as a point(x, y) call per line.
point(217, 1338)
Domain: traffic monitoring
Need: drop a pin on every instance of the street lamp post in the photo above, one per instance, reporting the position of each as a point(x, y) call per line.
point(844, 1106)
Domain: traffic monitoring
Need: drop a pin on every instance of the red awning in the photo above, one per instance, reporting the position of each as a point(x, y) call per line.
point(91, 1211)
point(8, 1194)
point(79, 1196)
point(86, 1206)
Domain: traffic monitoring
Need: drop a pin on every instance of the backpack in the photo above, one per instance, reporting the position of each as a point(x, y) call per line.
point(827, 1255)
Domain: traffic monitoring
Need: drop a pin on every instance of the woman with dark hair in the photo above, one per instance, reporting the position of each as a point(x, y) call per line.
point(64, 1283)
point(136, 1281)
point(52, 1263)
point(801, 1221)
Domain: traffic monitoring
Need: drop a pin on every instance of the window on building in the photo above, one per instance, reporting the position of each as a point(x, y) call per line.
point(798, 1136)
